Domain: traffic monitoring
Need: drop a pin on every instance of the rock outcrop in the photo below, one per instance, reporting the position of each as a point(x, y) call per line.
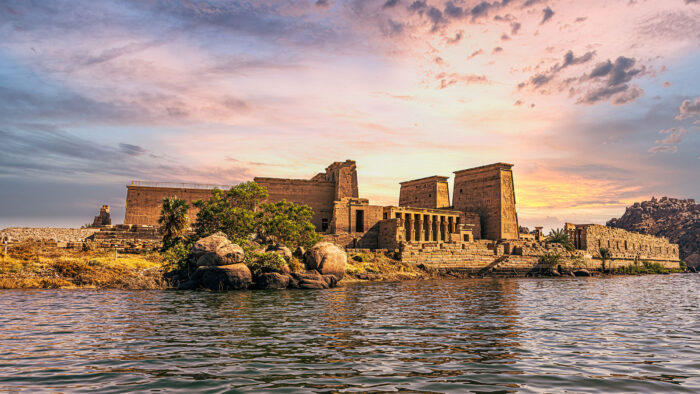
point(327, 258)
point(220, 267)
point(215, 250)
point(225, 277)
point(678, 220)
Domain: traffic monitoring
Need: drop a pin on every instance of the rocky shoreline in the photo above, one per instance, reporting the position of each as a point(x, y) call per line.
point(221, 266)
point(216, 264)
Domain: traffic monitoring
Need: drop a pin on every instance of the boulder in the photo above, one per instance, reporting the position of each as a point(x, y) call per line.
point(307, 275)
point(309, 279)
point(327, 258)
point(215, 250)
point(299, 252)
point(293, 283)
point(273, 280)
point(330, 280)
point(225, 277)
point(281, 250)
point(312, 284)
point(189, 285)
point(582, 272)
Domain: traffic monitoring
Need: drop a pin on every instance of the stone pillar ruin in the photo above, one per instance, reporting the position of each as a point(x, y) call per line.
point(104, 218)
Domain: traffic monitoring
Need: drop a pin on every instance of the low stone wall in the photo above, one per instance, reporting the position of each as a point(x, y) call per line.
point(494, 258)
point(60, 235)
point(125, 238)
point(366, 240)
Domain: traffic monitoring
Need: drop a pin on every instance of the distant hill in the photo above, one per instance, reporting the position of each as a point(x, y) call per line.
point(677, 220)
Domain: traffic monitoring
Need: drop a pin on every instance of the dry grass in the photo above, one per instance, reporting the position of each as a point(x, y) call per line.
point(379, 267)
point(35, 265)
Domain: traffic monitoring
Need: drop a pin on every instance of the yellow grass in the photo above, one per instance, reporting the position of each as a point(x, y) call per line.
point(379, 267)
point(33, 265)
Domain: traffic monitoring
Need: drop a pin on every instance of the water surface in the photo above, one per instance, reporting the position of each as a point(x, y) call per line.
point(632, 334)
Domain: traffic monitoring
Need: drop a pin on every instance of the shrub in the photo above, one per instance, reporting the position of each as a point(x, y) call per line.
point(578, 262)
point(550, 259)
point(177, 256)
point(89, 246)
point(604, 255)
point(262, 262)
point(295, 265)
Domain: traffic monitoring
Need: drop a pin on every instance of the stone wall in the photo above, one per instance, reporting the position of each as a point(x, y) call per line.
point(391, 233)
point(622, 244)
point(20, 234)
point(144, 203)
point(488, 191)
point(319, 195)
point(431, 192)
point(486, 256)
point(345, 216)
point(472, 221)
point(125, 238)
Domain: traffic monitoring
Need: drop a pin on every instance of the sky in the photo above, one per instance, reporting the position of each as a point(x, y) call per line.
point(596, 103)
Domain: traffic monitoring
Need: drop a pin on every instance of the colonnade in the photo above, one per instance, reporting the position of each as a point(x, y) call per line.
point(429, 227)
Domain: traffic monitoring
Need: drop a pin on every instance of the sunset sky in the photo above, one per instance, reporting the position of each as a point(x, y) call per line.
point(596, 103)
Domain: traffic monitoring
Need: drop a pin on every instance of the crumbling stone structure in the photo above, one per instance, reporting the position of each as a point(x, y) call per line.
point(621, 244)
point(104, 218)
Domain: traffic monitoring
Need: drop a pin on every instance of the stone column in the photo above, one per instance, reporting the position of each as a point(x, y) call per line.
point(444, 229)
point(421, 230)
point(411, 232)
point(429, 236)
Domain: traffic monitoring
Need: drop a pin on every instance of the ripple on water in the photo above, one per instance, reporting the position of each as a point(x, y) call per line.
point(638, 334)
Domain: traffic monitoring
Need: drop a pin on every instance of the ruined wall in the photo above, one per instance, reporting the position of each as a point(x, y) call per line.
point(485, 256)
point(144, 203)
point(319, 195)
point(344, 176)
point(431, 192)
point(621, 243)
point(488, 191)
point(104, 218)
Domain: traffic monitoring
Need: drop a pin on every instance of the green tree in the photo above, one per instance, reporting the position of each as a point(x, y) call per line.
point(173, 220)
point(231, 211)
point(559, 236)
point(240, 212)
point(288, 223)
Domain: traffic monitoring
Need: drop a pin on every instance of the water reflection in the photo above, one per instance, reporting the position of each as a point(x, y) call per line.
point(493, 335)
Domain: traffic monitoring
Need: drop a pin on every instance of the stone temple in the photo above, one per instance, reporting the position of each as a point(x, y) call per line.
point(483, 205)
point(475, 229)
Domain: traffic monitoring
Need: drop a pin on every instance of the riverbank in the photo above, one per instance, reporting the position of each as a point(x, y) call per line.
point(40, 265)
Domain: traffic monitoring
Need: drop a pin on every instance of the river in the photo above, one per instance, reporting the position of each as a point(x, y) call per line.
point(623, 333)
